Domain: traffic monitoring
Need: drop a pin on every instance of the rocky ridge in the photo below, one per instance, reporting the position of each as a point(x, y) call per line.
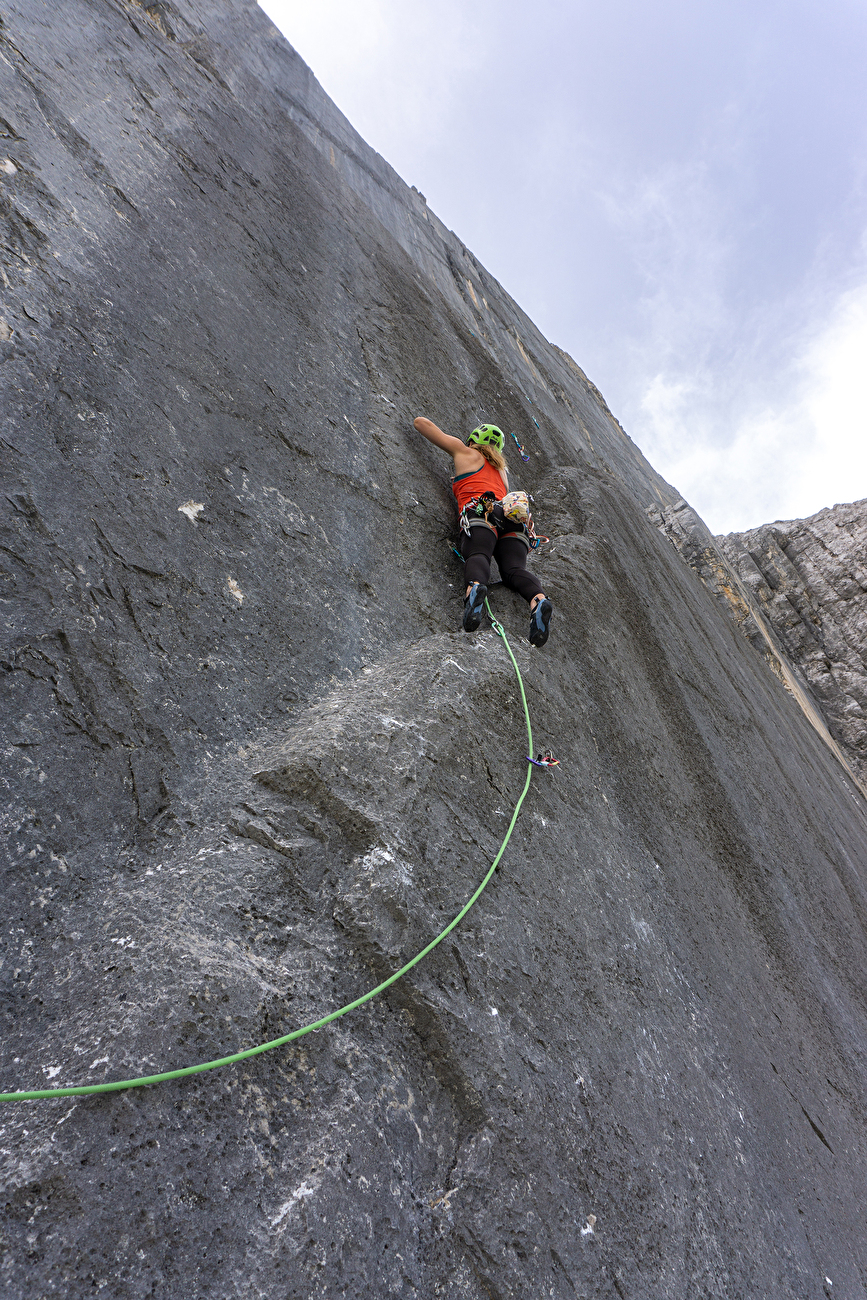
point(809, 577)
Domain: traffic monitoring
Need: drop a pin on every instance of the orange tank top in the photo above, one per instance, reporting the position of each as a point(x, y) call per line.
point(483, 479)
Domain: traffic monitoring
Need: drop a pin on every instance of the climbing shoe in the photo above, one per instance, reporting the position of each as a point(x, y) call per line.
point(539, 620)
point(473, 606)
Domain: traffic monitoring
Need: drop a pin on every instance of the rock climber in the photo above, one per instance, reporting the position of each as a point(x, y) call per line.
point(480, 483)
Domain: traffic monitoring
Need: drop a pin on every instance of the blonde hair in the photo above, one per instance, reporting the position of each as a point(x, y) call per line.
point(492, 455)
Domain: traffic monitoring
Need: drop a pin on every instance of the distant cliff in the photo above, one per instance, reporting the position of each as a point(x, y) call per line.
point(810, 577)
point(251, 766)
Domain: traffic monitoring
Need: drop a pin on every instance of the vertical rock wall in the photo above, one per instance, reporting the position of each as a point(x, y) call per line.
point(810, 578)
point(250, 766)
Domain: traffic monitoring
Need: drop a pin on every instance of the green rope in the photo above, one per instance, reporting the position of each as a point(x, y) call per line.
point(89, 1089)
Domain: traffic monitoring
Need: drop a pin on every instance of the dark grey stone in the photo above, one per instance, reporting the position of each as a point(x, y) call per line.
point(251, 765)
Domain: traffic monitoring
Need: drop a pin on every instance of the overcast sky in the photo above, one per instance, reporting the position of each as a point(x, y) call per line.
point(675, 193)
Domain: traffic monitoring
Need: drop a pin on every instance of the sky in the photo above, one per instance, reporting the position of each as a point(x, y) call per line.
point(675, 193)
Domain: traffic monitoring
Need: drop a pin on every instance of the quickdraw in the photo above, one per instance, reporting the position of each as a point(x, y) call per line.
point(524, 455)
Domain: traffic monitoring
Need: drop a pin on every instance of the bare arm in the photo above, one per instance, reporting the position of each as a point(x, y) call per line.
point(429, 430)
point(466, 459)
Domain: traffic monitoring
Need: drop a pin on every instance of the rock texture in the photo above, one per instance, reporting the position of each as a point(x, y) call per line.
point(809, 576)
point(724, 572)
point(251, 766)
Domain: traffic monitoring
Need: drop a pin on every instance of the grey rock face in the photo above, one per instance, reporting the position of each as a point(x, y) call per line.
point(810, 578)
point(251, 767)
point(728, 571)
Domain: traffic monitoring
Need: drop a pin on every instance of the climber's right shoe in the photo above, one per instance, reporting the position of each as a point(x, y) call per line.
point(539, 620)
point(473, 606)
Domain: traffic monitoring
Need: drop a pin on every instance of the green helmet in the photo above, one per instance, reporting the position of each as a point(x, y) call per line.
point(488, 433)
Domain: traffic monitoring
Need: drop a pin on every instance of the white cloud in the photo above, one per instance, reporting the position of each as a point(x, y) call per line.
point(754, 407)
point(341, 35)
point(779, 460)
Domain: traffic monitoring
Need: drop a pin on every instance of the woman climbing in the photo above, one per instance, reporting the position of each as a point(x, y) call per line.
point(480, 483)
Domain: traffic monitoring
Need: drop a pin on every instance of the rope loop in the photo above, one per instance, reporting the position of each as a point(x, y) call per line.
point(89, 1090)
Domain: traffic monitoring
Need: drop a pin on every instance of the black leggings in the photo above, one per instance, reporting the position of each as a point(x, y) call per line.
point(510, 552)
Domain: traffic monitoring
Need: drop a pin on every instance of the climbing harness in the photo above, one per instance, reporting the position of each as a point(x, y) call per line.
point(510, 516)
point(546, 759)
point(90, 1089)
point(475, 513)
